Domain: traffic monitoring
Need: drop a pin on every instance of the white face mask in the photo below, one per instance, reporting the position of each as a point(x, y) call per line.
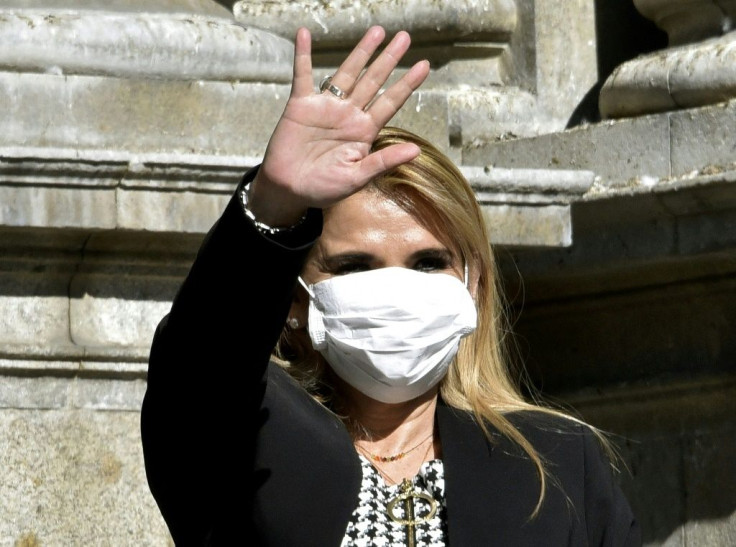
point(391, 332)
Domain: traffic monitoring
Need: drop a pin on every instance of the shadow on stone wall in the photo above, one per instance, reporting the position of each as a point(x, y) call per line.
point(640, 342)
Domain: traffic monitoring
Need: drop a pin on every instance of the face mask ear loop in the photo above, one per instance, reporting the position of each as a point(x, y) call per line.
point(466, 274)
point(311, 293)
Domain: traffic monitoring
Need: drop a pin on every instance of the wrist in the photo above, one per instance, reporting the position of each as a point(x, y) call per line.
point(271, 227)
point(272, 203)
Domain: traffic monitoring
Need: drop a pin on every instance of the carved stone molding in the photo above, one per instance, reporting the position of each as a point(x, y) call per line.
point(98, 190)
point(342, 23)
point(699, 67)
point(683, 77)
point(687, 21)
point(177, 46)
point(529, 207)
point(467, 42)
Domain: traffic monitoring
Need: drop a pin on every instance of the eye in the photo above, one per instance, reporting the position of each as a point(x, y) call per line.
point(433, 264)
point(346, 263)
point(345, 267)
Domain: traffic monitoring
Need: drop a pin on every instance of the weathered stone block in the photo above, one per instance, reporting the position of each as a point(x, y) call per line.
point(33, 307)
point(75, 478)
point(684, 329)
point(674, 438)
point(710, 476)
point(703, 139)
point(652, 477)
point(547, 225)
point(92, 394)
point(617, 152)
point(138, 116)
point(61, 207)
point(34, 393)
point(170, 211)
point(111, 310)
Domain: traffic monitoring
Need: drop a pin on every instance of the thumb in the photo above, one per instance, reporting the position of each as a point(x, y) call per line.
point(386, 159)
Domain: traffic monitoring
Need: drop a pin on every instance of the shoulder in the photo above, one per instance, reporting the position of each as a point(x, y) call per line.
point(564, 443)
point(545, 422)
point(580, 466)
point(569, 449)
point(547, 429)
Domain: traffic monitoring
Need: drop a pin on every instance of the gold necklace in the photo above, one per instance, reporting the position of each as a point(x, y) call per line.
point(382, 471)
point(387, 459)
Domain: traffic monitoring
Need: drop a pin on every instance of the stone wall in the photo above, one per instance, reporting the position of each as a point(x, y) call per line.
point(598, 137)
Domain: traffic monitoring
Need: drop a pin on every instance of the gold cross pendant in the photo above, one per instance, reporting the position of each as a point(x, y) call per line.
point(407, 496)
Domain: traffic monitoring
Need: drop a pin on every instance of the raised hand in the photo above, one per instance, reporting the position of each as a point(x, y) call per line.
point(319, 152)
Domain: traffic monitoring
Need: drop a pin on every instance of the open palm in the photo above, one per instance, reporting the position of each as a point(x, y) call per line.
point(319, 152)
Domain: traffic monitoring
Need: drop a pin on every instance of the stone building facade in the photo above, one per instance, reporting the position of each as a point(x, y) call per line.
point(599, 136)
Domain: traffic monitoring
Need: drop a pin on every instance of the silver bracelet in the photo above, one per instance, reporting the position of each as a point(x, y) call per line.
point(262, 226)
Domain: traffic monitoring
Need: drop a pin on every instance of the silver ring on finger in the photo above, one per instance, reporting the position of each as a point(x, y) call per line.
point(327, 85)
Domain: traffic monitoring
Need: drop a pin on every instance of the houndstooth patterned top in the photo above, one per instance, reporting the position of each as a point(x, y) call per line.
point(370, 525)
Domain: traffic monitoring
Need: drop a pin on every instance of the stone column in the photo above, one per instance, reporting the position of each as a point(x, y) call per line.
point(697, 69)
point(125, 127)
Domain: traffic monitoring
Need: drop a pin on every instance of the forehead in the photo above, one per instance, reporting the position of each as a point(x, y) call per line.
point(369, 219)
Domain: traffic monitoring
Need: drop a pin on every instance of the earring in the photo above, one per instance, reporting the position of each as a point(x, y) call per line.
point(293, 322)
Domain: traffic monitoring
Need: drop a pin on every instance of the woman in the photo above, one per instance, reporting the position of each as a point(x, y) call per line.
point(331, 371)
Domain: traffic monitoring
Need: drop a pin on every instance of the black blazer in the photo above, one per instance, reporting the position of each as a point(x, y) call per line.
point(237, 453)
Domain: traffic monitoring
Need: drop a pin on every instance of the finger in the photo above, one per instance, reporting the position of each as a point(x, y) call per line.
point(355, 62)
point(390, 101)
point(386, 159)
point(380, 70)
point(303, 82)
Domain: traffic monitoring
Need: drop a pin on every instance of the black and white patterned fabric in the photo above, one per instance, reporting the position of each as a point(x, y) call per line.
point(370, 525)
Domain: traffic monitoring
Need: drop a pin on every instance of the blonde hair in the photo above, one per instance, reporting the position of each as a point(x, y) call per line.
point(482, 379)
